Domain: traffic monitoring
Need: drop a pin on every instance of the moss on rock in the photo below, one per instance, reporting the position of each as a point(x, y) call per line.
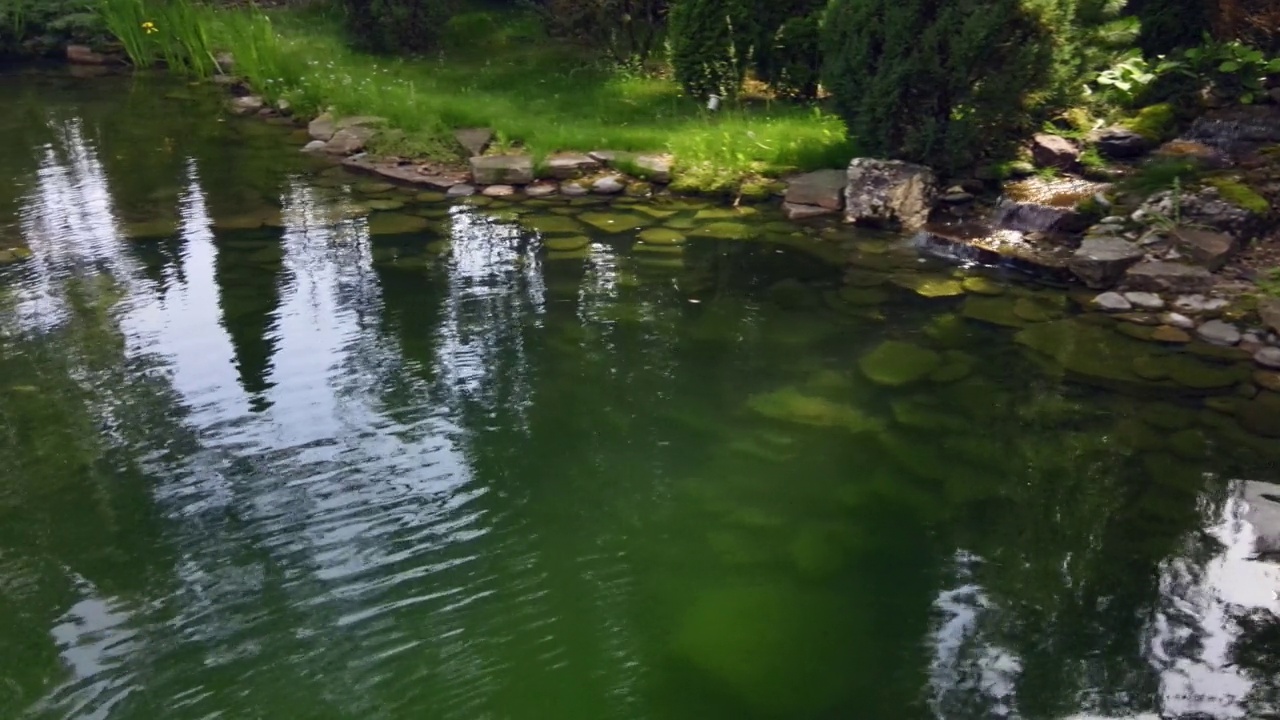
point(894, 363)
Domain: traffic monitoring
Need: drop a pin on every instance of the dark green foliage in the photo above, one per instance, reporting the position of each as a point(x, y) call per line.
point(1169, 25)
point(706, 51)
point(41, 26)
point(628, 29)
point(943, 82)
point(787, 48)
point(396, 25)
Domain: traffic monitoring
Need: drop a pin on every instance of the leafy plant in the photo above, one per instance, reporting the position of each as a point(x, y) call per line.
point(1233, 68)
point(1125, 81)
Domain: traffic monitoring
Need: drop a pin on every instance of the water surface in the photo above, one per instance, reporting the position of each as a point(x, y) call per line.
point(281, 442)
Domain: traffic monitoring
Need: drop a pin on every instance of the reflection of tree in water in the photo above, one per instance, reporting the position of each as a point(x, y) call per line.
point(250, 274)
point(76, 514)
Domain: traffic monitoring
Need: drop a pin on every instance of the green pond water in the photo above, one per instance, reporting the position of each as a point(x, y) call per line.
point(281, 442)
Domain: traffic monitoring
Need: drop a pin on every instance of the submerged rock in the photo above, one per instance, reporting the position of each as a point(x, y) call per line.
point(790, 405)
point(780, 650)
point(895, 362)
point(553, 225)
point(661, 236)
point(993, 310)
point(724, 231)
point(391, 223)
point(1261, 415)
point(930, 286)
point(566, 243)
point(614, 222)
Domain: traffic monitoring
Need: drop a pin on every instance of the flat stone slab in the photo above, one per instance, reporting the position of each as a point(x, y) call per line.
point(322, 128)
point(474, 140)
point(502, 170)
point(1207, 247)
point(405, 173)
point(654, 168)
point(796, 211)
point(1162, 276)
point(823, 188)
point(566, 166)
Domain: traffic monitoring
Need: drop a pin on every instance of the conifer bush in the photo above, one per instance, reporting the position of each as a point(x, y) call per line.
point(944, 82)
point(707, 52)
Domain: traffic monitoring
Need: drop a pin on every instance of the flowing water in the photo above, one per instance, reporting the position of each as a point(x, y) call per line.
point(279, 442)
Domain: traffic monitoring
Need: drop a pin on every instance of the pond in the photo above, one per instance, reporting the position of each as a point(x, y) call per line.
point(281, 441)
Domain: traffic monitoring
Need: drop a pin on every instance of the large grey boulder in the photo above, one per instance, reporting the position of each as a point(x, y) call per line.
point(1160, 276)
point(1101, 262)
point(889, 192)
point(823, 188)
point(1054, 151)
point(502, 170)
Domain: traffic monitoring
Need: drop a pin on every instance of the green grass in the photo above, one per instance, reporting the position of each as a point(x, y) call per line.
point(498, 70)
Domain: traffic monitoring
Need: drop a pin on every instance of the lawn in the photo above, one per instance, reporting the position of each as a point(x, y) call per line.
point(499, 70)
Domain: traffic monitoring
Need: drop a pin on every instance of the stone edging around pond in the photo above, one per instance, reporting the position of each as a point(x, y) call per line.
point(870, 190)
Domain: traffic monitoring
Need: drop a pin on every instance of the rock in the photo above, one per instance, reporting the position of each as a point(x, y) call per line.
point(929, 286)
point(1120, 143)
point(1167, 277)
point(1268, 357)
point(654, 168)
point(502, 169)
point(979, 285)
point(85, 55)
point(790, 405)
point(392, 223)
point(1199, 304)
point(541, 189)
point(614, 222)
point(349, 140)
point(956, 197)
point(314, 146)
point(1218, 332)
point(896, 363)
point(567, 166)
point(1112, 302)
point(323, 127)
point(498, 191)
point(804, 212)
point(1267, 380)
point(992, 310)
point(573, 189)
point(822, 188)
point(384, 204)
point(1145, 301)
point(1101, 262)
point(771, 647)
point(1170, 334)
point(1203, 208)
point(474, 140)
point(1261, 415)
point(569, 243)
point(460, 190)
point(608, 185)
point(1207, 247)
point(1269, 311)
point(1054, 151)
point(889, 192)
point(1177, 320)
point(661, 236)
point(554, 225)
point(724, 231)
point(247, 105)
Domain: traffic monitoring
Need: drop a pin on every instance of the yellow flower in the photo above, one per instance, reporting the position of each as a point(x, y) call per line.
point(149, 27)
